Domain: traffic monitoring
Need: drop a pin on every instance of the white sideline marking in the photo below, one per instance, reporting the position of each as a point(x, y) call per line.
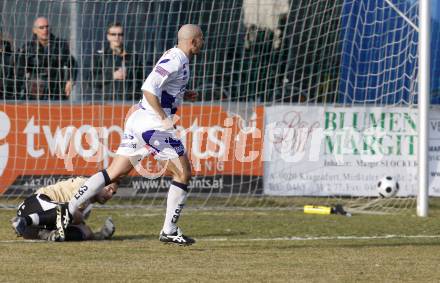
point(324, 238)
point(22, 241)
point(271, 239)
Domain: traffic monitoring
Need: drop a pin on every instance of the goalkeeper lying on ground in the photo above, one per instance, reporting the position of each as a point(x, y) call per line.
point(42, 215)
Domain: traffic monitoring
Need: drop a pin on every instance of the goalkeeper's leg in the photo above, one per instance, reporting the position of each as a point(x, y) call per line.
point(38, 212)
point(37, 209)
point(120, 166)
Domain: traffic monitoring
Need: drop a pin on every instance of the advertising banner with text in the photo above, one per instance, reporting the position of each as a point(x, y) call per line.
point(54, 140)
point(322, 151)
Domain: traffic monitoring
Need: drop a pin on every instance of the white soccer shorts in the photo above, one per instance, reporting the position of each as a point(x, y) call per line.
point(143, 136)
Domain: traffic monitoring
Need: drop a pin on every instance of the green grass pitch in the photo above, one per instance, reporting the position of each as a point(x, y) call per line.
point(235, 245)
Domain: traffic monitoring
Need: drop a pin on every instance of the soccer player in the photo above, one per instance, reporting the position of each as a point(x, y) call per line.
point(40, 215)
point(151, 125)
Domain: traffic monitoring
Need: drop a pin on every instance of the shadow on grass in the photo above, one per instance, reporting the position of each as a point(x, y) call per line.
point(148, 237)
point(223, 234)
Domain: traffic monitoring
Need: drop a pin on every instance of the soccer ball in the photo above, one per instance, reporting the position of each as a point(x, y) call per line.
point(387, 187)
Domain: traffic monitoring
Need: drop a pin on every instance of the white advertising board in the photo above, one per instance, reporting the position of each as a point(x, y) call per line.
point(323, 151)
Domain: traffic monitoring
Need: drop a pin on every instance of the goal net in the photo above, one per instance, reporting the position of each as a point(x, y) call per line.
point(300, 102)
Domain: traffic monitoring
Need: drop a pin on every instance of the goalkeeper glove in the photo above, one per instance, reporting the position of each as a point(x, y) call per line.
point(108, 229)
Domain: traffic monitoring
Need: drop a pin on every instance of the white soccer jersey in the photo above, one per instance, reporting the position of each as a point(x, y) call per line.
point(144, 133)
point(168, 81)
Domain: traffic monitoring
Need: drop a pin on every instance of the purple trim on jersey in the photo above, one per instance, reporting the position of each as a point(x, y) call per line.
point(140, 106)
point(161, 71)
point(167, 100)
point(164, 61)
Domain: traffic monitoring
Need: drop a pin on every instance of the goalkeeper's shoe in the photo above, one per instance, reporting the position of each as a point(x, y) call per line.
point(176, 238)
point(62, 220)
point(66, 217)
point(19, 225)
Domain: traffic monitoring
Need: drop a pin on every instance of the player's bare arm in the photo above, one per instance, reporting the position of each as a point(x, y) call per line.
point(153, 100)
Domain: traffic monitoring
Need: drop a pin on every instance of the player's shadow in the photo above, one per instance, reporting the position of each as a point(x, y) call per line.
point(224, 234)
point(138, 237)
point(134, 237)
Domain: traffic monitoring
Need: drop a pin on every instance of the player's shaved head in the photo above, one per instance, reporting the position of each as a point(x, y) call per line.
point(188, 32)
point(190, 39)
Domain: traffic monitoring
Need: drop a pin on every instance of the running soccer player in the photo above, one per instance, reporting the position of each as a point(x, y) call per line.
point(151, 126)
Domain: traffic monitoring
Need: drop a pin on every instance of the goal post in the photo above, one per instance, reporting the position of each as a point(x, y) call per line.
point(424, 96)
point(307, 102)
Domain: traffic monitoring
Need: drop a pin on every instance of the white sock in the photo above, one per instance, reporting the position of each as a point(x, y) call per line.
point(90, 188)
point(35, 219)
point(175, 202)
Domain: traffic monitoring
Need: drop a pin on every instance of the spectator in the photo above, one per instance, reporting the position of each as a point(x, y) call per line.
point(6, 69)
point(117, 73)
point(45, 67)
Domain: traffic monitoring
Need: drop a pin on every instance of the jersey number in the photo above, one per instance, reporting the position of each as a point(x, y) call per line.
point(81, 191)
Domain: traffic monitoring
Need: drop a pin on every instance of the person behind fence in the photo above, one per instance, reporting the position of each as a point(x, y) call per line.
point(6, 69)
point(40, 215)
point(117, 72)
point(45, 67)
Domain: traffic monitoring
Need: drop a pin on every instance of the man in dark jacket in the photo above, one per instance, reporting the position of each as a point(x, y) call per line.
point(6, 70)
point(117, 73)
point(45, 66)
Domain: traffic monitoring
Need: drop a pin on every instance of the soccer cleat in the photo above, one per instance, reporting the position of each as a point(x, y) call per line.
point(19, 225)
point(62, 221)
point(66, 216)
point(176, 238)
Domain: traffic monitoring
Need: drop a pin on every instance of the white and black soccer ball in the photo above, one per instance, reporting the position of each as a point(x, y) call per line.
point(387, 187)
